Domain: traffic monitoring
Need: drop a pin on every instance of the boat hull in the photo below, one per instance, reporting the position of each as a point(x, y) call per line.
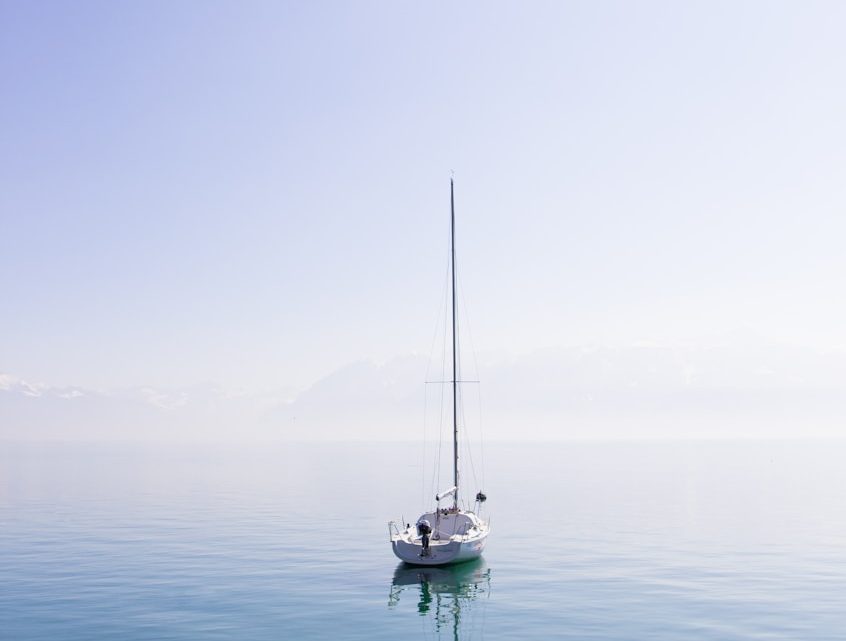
point(440, 553)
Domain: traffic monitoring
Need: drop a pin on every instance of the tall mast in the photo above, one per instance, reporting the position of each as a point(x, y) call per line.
point(454, 343)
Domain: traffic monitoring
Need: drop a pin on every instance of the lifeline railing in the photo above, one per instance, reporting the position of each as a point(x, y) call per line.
point(392, 525)
point(393, 529)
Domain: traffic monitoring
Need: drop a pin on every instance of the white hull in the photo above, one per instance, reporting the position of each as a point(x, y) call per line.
point(441, 553)
point(444, 547)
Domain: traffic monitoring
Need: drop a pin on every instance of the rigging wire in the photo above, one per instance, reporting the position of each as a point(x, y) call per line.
point(469, 333)
point(441, 329)
point(438, 330)
point(436, 478)
point(465, 432)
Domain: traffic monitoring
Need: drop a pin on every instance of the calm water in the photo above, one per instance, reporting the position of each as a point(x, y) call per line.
point(590, 541)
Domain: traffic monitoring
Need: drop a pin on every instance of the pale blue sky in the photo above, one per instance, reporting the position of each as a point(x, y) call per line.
point(257, 193)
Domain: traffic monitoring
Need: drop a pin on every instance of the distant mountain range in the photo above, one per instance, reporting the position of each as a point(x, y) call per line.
point(745, 389)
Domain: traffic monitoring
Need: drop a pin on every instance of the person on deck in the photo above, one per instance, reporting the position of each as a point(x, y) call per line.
point(424, 529)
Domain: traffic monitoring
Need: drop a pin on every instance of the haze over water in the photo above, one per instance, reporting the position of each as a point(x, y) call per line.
point(616, 540)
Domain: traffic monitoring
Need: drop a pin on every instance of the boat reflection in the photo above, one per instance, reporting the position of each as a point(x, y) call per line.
point(450, 596)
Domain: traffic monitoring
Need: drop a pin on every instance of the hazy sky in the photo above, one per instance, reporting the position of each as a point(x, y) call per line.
point(257, 193)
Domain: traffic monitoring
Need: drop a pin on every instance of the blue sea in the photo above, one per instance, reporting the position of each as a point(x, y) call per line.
point(618, 540)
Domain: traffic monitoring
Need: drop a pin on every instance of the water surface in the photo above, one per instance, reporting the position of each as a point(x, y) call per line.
point(660, 540)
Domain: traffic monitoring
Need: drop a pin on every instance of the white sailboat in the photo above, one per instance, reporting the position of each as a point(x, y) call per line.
point(446, 534)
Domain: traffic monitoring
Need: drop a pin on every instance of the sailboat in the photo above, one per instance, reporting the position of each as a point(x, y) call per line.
point(446, 534)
